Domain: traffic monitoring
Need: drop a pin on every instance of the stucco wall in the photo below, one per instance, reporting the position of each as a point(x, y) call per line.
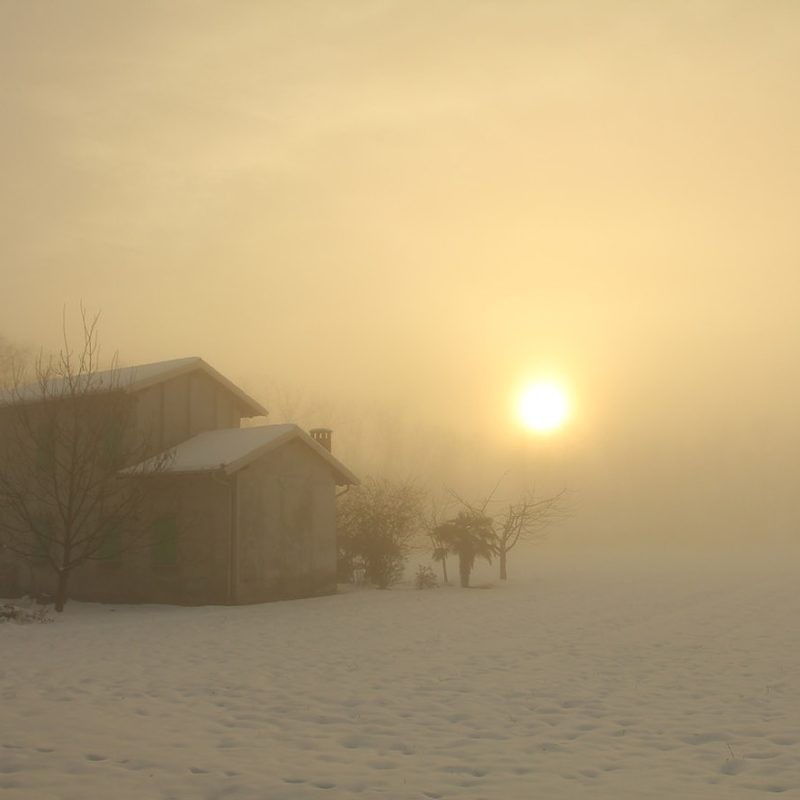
point(200, 574)
point(286, 527)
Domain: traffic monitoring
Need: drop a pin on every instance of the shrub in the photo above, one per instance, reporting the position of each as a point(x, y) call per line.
point(425, 578)
point(11, 613)
point(469, 535)
point(375, 524)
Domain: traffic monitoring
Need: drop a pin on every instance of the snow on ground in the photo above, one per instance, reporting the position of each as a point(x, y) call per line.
point(635, 680)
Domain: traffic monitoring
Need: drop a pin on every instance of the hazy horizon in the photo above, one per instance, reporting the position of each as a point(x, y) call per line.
point(387, 217)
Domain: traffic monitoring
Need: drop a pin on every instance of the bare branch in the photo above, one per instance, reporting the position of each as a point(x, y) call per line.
point(66, 442)
point(525, 519)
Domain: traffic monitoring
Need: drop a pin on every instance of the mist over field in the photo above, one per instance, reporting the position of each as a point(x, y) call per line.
point(398, 214)
point(395, 220)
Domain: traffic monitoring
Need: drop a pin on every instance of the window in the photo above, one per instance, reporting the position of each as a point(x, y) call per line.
point(164, 541)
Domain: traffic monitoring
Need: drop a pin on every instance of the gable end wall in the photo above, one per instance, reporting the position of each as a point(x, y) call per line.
point(286, 532)
point(173, 411)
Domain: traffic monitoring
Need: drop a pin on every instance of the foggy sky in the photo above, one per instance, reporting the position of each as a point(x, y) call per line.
point(405, 209)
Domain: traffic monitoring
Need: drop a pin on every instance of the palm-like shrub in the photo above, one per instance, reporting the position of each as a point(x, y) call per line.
point(470, 535)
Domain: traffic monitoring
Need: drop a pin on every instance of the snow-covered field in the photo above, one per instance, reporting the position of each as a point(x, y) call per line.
point(610, 680)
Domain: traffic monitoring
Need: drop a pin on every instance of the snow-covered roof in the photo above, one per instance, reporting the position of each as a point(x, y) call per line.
point(133, 379)
point(230, 449)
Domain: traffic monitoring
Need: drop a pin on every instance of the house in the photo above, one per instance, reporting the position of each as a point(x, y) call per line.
point(239, 514)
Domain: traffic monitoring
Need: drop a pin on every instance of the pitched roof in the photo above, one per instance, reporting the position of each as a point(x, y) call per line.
point(230, 449)
point(133, 379)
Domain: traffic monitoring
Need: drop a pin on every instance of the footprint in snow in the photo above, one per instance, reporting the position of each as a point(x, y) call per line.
point(352, 742)
point(589, 773)
point(733, 766)
point(703, 738)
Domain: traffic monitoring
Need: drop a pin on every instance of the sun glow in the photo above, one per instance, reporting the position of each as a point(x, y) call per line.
point(543, 407)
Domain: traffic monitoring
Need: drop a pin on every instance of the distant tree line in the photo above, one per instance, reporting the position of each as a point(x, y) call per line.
point(381, 521)
point(13, 360)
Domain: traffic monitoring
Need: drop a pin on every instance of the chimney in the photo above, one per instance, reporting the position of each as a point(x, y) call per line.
point(322, 436)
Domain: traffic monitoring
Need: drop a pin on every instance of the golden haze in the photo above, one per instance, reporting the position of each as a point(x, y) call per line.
point(396, 209)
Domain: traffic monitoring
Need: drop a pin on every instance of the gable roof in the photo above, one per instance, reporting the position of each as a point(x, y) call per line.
point(134, 379)
point(230, 449)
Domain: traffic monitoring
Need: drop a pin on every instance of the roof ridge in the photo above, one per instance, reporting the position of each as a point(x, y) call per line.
point(217, 449)
point(137, 377)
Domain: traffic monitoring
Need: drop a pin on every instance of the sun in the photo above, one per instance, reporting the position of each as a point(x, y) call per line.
point(543, 407)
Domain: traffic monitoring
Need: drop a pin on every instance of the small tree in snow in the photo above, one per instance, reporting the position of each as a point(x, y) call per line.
point(64, 443)
point(432, 522)
point(469, 536)
point(526, 519)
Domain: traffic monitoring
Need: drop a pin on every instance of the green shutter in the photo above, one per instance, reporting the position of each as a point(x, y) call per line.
point(164, 541)
point(44, 538)
point(110, 550)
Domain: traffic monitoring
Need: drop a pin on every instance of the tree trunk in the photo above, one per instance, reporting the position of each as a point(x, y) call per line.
point(444, 572)
point(503, 574)
point(61, 590)
point(464, 570)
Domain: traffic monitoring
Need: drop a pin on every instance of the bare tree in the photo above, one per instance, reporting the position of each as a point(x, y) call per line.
point(70, 487)
point(13, 359)
point(433, 520)
point(525, 520)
